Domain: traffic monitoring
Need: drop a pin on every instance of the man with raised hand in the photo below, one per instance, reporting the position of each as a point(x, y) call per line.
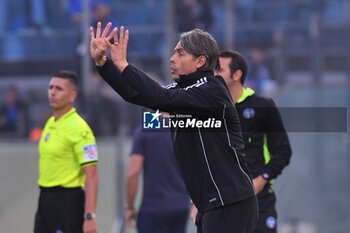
point(211, 159)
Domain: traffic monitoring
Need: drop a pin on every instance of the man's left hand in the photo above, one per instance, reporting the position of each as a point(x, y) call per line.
point(90, 226)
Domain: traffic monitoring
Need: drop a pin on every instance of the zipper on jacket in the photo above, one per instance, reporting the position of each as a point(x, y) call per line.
point(208, 166)
point(234, 150)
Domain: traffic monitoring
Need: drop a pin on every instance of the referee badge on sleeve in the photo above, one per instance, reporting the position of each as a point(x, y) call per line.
point(90, 152)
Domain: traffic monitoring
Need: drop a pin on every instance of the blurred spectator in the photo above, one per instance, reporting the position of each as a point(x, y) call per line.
point(39, 115)
point(24, 14)
point(24, 18)
point(57, 14)
point(13, 114)
point(107, 121)
point(165, 201)
point(193, 14)
point(99, 10)
point(259, 76)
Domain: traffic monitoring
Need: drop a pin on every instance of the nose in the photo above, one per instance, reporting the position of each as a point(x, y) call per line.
point(51, 91)
point(172, 58)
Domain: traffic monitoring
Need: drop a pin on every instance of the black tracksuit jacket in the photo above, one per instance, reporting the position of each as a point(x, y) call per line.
point(266, 142)
point(211, 161)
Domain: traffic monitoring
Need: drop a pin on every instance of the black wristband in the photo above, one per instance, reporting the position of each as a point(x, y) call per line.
point(89, 216)
point(266, 176)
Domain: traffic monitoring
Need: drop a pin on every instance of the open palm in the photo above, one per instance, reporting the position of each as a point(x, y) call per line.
point(98, 44)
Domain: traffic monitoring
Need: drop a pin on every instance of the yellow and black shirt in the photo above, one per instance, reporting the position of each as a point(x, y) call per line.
point(267, 145)
point(66, 145)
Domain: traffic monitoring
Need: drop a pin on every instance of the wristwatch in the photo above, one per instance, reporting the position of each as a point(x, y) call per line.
point(266, 176)
point(89, 216)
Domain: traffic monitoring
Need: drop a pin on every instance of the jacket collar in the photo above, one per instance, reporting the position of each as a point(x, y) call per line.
point(247, 91)
point(187, 80)
point(66, 115)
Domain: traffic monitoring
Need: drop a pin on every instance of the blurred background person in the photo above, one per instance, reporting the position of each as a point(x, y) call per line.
point(259, 75)
point(109, 120)
point(99, 11)
point(191, 14)
point(14, 117)
point(165, 202)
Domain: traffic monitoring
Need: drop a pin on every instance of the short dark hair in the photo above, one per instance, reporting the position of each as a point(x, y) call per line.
point(198, 42)
point(237, 63)
point(71, 76)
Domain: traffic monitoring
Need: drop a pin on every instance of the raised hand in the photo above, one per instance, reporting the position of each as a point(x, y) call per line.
point(119, 47)
point(98, 45)
point(90, 226)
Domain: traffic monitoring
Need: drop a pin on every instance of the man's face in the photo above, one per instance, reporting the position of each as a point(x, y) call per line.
point(225, 70)
point(61, 93)
point(182, 62)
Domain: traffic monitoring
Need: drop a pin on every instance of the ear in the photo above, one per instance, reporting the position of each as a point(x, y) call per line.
point(73, 95)
point(201, 60)
point(236, 76)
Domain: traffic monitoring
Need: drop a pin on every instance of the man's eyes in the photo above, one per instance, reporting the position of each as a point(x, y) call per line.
point(57, 88)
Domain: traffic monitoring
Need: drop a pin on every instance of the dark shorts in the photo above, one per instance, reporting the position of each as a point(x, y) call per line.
point(60, 210)
point(239, 217)
point(174, 221)
point(267, 222)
